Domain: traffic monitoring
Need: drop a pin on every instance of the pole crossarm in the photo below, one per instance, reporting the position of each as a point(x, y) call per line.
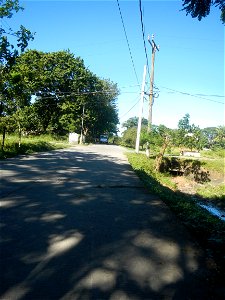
point(152, 43)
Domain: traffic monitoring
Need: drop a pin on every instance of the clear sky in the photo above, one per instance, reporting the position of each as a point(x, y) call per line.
point(190, 60)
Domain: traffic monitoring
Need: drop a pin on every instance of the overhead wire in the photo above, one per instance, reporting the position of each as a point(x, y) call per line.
point(143, 36)
point(131, 107)
point(128, 44)
point(192, 95)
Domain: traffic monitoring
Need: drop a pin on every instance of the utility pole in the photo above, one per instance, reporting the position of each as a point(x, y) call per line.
point(82, 127)
point(141, 111)
point(151, 96)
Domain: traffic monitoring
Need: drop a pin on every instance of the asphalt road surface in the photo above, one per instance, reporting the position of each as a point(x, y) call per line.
point(78, 224)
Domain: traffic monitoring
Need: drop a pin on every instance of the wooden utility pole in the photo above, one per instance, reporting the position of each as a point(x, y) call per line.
point(82, 127)
point(141, 111)
point(151, 96)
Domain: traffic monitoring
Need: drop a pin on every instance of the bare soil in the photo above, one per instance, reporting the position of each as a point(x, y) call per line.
point(187, 185)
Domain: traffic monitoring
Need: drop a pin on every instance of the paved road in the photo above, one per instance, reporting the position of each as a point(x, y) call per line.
point(78, 224)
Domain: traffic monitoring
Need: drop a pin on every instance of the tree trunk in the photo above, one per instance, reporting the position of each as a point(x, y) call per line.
point(3, 138)
point(159, 157)
point(20, 134)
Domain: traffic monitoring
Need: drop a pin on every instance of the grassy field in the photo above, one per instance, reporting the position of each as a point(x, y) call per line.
point(208, 229)
point(31, 145)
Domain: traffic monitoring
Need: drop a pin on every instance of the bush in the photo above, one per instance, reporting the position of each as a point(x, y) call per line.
point(129, 137)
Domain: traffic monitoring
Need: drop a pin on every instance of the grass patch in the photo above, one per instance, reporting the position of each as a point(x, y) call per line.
point(216, 164)
point(213, 194)
point(217, 153)
point(208, 229)
point(31, 145)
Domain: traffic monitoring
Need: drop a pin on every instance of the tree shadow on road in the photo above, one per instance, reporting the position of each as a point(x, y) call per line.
point(80, 225)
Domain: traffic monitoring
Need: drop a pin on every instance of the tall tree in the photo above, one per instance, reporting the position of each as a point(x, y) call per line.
point(8, 54)
point(68, 95)
point(189, 136)
point(201, 8)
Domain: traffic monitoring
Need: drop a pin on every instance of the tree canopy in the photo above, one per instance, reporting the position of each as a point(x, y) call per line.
point(133, 122)
point(65, 94)
point(50, 92)
point(201, 8)
point(9, 50)
point(187, 136)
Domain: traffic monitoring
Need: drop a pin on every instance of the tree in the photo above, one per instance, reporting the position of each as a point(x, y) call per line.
point(209, 134)
point(189, 136)
point(183, 130)
point(201, 8)
point(133, 122)
point(219, 140)
point(8, 54)
point(68, 96)
point(129, 137)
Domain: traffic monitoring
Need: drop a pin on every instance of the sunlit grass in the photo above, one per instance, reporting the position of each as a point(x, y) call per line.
point(213, 194)
point(31, 145)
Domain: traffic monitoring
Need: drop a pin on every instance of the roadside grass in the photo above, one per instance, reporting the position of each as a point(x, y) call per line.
point(214, 164)
point(209, 230)
point(31, 145)
point(217, 153)
point(213, 194)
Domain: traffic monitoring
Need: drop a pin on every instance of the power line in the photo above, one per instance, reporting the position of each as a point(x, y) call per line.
point(204, 95)
point(121, 16)
point(143, 36)
point(131, 107)
point(192, 95)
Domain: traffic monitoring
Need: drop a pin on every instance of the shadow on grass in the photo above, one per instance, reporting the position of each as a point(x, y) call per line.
point(209, 229)
point(76, 224)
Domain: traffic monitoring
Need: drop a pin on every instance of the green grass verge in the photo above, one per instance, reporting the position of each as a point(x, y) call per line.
point(208, 229)
point(213, 194)
point(31, 145)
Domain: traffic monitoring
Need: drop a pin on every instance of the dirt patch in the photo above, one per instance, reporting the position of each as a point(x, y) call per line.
point(216, 178)
point(188, 185)
point(185, 185)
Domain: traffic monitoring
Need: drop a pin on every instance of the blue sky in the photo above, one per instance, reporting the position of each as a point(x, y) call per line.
point(190, 60)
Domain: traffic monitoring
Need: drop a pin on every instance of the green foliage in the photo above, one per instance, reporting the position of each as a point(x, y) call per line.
point(8, 51)
point(212, 193)
point(31, 144)
point(133, 122)
point(214, 153)
point(189, 136)
point(129, 137)
point(8, 7)
point(66, 92)
point(155, 138)
point(200, 9)
point(215, 137)
point(219, 140)
point(216, 165)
